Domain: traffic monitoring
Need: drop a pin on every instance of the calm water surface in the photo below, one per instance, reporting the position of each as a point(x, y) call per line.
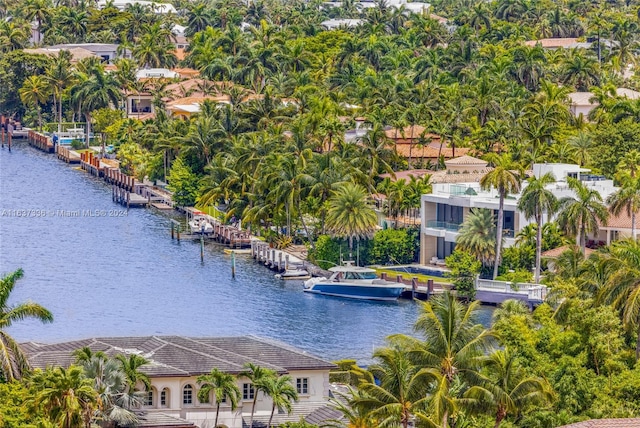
point(120, 276)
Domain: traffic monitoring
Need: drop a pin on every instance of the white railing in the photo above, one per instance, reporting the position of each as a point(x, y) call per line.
point(533, 291)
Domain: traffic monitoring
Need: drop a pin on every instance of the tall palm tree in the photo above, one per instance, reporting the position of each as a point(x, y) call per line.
point(399, 393)
point(627, 199)
point(224, 388)
point(59, 75)
point(66, 395)
point(536, 200)
point(506, 177)
point(453, 344)
point(580, 215)
point(258, 376)
point(350, 214)
point(95, 89)
point(13, 362)
point(34, 92)
point(282, 393)
point(477, 235)
point(507, 389)
point(622, 285)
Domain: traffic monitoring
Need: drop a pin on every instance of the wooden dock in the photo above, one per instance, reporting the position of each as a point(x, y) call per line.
point(67, 155)
point(128, 199)
point(39, 141)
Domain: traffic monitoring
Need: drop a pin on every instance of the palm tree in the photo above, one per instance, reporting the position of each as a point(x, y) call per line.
point(13, 362)
point(477, 235)
point(506, 178)
point(66, 395)
point(356, 415)
point(400, 390)
point(130, 366)
point(35, 92)
point(627, 198)
point(59, 76)
point(453, 344)
point(350, 214)
point(95, 89)
point(223, 386)
point(282, 392)
point(507, 389)
point(622, 284)
point(258, 376)
point(536, 200)
point(580, 215)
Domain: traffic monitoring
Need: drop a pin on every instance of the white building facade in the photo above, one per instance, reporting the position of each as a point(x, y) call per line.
point(448, 206)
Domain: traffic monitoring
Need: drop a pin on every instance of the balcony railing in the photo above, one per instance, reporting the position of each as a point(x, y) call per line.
point(434, 224)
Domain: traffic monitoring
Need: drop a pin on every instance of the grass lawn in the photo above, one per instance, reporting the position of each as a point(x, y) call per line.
point(212, 211)
point(421, 278)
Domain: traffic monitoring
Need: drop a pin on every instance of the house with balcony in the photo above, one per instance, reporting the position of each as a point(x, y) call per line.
point(175, 362)
point(448, 206)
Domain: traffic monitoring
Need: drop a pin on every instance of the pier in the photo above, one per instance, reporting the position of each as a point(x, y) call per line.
point(39, 141)
point(67, 155)
point(226, 234)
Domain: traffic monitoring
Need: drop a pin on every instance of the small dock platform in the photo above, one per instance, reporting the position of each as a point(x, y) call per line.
point(127, 198)
point(67, 155)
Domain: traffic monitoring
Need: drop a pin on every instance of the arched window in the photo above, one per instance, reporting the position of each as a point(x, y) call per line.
point(164, 397)
point(148, 398)
point(187, 395)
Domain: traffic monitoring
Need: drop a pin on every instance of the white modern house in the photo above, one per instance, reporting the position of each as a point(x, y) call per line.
point(157, 7)
point(447, 207)
point(175, 362)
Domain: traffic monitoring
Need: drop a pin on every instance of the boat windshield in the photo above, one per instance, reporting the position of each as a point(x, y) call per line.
point(360, 275)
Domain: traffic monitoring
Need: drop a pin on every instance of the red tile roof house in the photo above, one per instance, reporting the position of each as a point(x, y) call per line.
point(175, 362)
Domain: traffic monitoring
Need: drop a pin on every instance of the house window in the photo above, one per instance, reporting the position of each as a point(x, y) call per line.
point(148, 399)
point(187, 394)
point(163, 398)
point(302, 385)
point(248, 393)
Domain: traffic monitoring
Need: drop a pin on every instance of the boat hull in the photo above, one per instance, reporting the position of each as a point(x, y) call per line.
point(351, 291)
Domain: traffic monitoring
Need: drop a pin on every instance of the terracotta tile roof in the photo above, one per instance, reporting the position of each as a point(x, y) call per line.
point(193, 87)
point(622, 221)
point(466, 160)
point(556, 252)
point(184, 356)
point(553, 43)
point(606, 423)
point(413, 131)
point(406, 175)
point(187, 72)
point(426, 152)
point(180, 54)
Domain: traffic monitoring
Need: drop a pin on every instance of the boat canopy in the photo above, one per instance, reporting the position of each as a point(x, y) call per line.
point(357, 269)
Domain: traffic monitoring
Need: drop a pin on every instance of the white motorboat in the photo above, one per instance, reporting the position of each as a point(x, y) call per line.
point(293, 274)
point(354, 282)
point(200, 224)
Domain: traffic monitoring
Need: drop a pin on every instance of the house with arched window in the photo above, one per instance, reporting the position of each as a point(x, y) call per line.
point(175, 362)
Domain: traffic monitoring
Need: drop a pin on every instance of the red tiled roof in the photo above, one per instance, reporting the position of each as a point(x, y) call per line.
point(427, 152)
point(622, 221)
point(552, 43)
point(406, 175)
point(555, 252)
point(606, 423)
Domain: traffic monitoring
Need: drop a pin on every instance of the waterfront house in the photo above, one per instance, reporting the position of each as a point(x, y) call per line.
point(421, 147)
point(447, 207)
point(175, 362)
point(108, 52)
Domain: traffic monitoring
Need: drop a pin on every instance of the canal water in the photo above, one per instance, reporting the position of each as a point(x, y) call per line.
point(105, 271)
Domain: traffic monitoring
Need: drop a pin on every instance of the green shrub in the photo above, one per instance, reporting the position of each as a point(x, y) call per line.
point(393, 246)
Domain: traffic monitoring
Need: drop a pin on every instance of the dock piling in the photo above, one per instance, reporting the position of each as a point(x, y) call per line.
point(233, 264)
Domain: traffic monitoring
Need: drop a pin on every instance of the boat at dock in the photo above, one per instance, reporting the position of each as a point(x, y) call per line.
point(354, 282)
point(201, 225)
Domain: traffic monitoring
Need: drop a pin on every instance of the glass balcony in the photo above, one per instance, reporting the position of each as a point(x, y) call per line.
point(434, 224)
